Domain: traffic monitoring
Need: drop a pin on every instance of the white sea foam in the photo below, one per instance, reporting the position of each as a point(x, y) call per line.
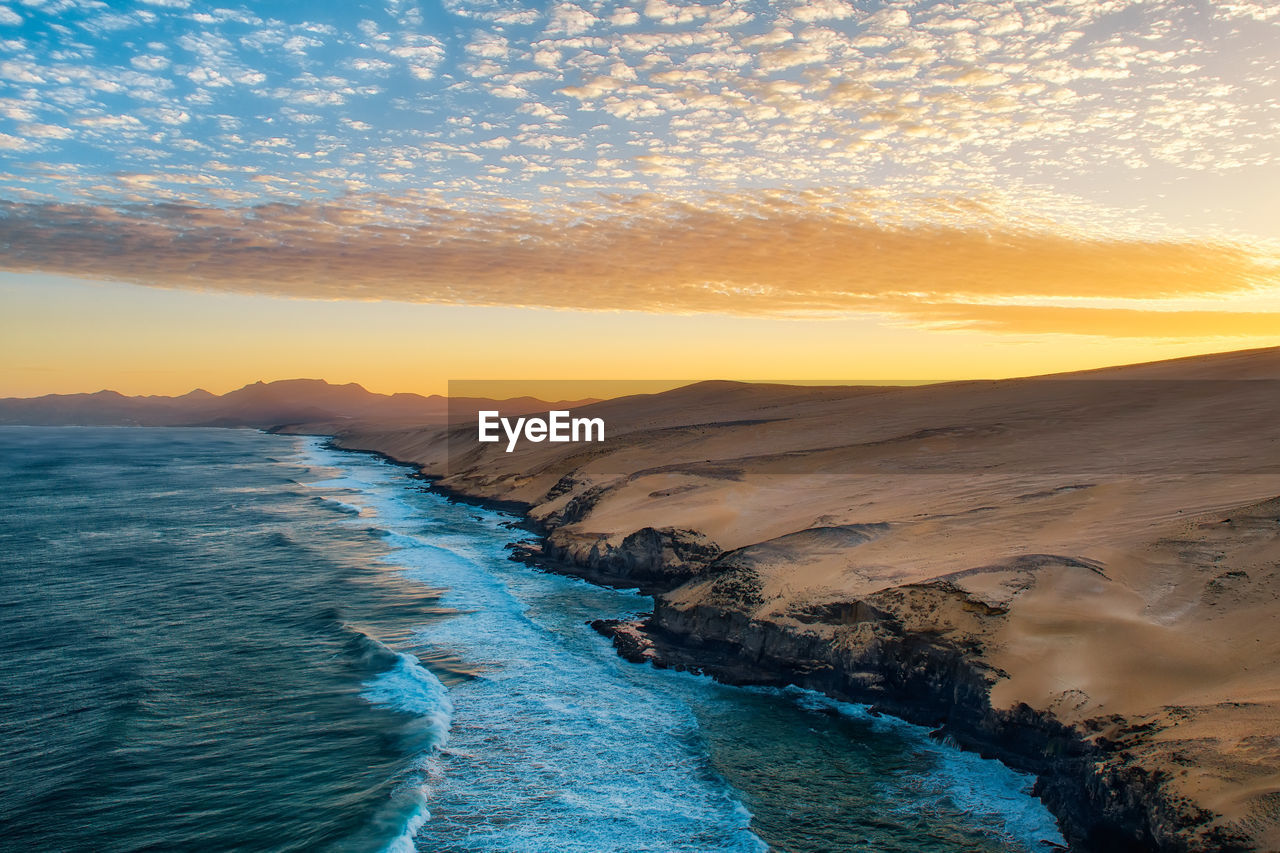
point(971, 783)
point(411, 688)
point(341, 506)
point(561, 745)
point(557, 751)
point(403, 843)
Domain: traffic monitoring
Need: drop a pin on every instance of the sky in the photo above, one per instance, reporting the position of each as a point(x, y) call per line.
point(402, 193)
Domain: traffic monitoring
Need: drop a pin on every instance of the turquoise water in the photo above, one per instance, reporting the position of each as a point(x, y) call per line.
point(227, 640)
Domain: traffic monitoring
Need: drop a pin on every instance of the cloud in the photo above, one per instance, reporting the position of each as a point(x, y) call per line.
point(823, 10)
point(8, 142)
point(1104, 322)
point(761, 255)
point(496, 11)
point(20, 71)
point(118, 122)
point(570, 20)
point(421, 53)
point(1143, 112)
point(46, 131)
point(149, 63)
point(489, 46)
point(624, 17)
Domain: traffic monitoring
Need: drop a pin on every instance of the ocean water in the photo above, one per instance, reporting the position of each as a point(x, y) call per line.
point(225, 640)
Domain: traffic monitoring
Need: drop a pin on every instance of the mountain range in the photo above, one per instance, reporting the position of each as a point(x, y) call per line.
point(293, 403)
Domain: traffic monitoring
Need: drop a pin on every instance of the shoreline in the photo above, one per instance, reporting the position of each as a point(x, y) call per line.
point(1097, 812)
point(917, 680)
point(1077, 579)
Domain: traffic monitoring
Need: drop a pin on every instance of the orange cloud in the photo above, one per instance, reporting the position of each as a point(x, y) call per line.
point(1105, 322)
point(752, 256)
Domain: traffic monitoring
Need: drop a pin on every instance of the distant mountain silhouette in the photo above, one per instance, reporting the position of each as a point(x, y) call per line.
point(262, 405)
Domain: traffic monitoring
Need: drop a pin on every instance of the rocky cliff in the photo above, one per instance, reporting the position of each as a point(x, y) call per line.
point(1079, 577)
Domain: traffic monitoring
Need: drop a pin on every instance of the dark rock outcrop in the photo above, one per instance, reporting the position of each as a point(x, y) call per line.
point(861, 652)
point(651, 559)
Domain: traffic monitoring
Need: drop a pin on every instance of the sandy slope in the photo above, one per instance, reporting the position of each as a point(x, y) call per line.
point(1101, 547)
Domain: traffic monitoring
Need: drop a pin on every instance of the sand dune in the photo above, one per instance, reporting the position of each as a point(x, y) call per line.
point(1099, 550)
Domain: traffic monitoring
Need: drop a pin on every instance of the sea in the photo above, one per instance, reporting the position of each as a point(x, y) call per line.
point(228, 640)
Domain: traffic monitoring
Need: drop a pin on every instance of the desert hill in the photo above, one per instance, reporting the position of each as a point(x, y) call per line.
point(1078, 573)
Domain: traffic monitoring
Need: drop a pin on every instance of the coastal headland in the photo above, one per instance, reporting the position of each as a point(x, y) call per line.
point(1077, 574)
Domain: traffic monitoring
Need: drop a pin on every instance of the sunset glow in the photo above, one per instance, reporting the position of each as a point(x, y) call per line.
point(399, 193)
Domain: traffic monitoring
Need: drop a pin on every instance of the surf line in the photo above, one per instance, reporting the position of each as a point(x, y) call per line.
point(558, 426)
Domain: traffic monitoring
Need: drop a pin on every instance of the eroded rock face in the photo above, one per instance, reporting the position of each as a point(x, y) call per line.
point(919, 651)
point(863, 651)
point(651, 559)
